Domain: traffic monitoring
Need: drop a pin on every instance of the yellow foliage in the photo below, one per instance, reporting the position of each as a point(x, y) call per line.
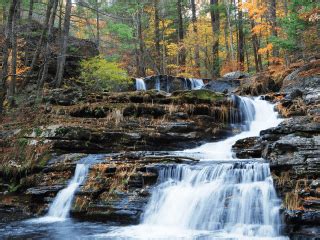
point(172, 49)
point(268, 48)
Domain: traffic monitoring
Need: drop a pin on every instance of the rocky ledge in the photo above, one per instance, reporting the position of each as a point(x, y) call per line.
point(293, 149)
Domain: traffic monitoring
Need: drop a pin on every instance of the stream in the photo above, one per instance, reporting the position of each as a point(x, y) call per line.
point(220, 198)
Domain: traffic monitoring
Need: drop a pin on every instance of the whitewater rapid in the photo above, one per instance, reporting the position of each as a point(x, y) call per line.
point(258, 115)
point(219, 198)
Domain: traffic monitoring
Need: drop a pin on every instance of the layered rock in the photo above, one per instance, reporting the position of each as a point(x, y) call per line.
point(129, 121)
point(293, 149)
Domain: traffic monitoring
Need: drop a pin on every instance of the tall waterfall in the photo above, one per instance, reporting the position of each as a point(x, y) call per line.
point(220, 198)
point(140, 84)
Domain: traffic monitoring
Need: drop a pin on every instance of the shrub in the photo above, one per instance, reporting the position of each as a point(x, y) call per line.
point(99, 74)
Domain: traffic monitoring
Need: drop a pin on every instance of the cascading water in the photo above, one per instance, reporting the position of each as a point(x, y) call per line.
point(220, 198)
point(62, 203)
point(140, 84)
point(157, 84)
point(237, 199)
point(196, 83)
point(60, 208)
point(255, 116)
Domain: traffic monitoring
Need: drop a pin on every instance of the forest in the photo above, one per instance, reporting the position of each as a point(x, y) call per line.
point(160, 119)
point(203, 39)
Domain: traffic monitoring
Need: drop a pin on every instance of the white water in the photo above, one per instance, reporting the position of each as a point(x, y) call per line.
point(140, 84)
point(60, 208)
point(257, 115)
point(196, 83)
point(231, 200)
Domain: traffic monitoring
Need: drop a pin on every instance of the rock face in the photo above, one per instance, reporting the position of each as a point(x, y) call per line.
point(258, 84)
point(117, 188)
point(114, 122)
point(72, 121)
point(293, 150)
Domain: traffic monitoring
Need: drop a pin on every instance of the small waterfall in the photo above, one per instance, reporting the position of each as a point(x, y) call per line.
point(254, 115)
point(140, 84)
point(62, 203)
point(215, 200)
point(157, 84)
point(245, 113)
point(236, 199)
point(196, 83)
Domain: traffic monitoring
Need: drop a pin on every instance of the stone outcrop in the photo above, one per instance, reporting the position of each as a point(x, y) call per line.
point(75, 122)
point(293, 150)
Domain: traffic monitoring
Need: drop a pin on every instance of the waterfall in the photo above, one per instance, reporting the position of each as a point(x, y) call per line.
point(255, 115)
point(61, 205)
point(140, 84)
point(220, 198)
point(234, 198)
point(196, 83)
point(157, 84)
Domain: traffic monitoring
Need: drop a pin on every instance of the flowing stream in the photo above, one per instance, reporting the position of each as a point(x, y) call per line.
point(220, 198)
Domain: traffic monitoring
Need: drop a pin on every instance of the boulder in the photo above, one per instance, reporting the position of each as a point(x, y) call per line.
point(236, 75)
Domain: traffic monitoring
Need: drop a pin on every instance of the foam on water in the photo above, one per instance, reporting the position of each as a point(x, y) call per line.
point(213, 200)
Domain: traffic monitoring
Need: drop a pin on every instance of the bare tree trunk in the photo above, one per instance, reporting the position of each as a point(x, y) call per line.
point(13, 77)
point(6, 52)
point(60, 18)
point(47, 51)
point(273, 19)
point(182, 50)
point(141, 66)
point(41, 40)
point(255, 46)
point(30, 13)
point(195, 31)
point(63, 50)
point(98, 24)
point(18, 11)
point(4, 14)
point(215, 23)
point(241, 38)
point(157, 35)
point(230, 29)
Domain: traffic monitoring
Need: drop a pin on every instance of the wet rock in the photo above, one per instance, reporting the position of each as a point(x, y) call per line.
point(248, 148)
point(236, 75)
point(302, 217)
point(223, 85)
point(44, 190)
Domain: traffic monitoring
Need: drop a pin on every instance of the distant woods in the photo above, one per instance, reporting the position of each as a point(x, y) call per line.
point(199, 38)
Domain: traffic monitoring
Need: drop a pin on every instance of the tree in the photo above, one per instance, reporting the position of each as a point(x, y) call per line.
point(195, 30)
point(215, 23)
point(47, 51)
point(182, 50)
point(64, 43)
point(240, 37)
point(157, 35)
point(13, 39)
point(6, 51)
